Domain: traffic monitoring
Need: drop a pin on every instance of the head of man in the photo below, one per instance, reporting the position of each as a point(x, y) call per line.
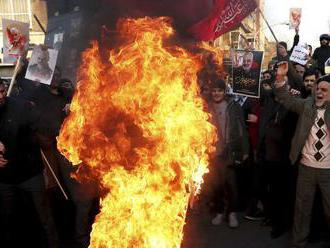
point(310, 50)
point(247, 61)
point(322, 91)
point(3, 92)
point(324, 40)
point(300, 69)
point(43, 57)
point(282, 49)
point(218, 88)
point(267, 75)
point(309, 79)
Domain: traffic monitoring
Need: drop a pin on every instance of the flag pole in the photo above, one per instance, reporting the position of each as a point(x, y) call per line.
point(13, 78)
point(270, 28)
point(53, 174)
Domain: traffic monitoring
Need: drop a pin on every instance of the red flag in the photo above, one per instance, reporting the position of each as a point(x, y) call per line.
point(225, 16)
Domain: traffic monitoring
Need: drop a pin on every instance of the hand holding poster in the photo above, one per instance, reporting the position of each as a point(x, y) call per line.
point(15, 40)
point(299, 54)
point(42, 64)
point(295, 18)
point(246, 72)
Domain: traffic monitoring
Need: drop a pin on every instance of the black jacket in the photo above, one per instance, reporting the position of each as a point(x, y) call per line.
point(321, 55)
point(18, 122)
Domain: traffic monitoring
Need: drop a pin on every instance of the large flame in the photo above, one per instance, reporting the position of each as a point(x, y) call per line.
point(138, 123)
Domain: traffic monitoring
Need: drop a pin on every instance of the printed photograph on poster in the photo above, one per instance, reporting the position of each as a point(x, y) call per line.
point(42, 64)
point(295, 18)
point(246, 72)
point(15, 40)
point(58, 41)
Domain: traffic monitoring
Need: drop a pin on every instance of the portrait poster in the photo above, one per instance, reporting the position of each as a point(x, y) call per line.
point(246, 71)
point(42, 64)
point(295, 18)
point(15, 40)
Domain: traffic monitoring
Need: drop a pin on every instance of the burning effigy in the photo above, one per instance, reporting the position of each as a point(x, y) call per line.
point(137, 122)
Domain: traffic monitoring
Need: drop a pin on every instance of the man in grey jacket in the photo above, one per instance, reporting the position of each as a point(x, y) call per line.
point(310, 148)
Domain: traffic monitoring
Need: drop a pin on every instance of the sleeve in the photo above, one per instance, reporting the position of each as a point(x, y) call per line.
point(291, 103)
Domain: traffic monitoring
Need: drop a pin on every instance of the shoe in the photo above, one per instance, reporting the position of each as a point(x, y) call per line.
point(217, 220)
point(232, 220)
point(255, 216)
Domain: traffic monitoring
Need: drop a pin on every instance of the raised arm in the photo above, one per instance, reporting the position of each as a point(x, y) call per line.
point(281, 90)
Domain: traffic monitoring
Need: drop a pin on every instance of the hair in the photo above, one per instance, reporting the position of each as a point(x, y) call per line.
point(325, 78)
point(309, 72)
point(218, 83)
point(2, 82)
point(283, 44)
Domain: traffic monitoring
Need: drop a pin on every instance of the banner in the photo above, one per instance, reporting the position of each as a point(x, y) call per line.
point(42, 65)
point(15, 40)
point(300, 54)
point(295, 18)
point(225, 16)
point(246, 72)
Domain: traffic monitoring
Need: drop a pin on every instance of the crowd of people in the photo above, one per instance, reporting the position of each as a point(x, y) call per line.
point(281, 138)
point(30, 120)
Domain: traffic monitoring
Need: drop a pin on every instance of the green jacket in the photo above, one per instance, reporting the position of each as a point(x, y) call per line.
point(307, 111)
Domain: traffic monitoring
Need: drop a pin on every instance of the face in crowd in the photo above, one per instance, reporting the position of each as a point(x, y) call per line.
point(300, 70)
point(247, 61)
point(324, 42)
point(282, 50)
point(218, 94)
point(322, 93)
point(309, 82)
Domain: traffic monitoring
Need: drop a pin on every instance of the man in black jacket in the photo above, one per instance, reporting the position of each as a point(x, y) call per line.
point(322, 53)
point(20, 168)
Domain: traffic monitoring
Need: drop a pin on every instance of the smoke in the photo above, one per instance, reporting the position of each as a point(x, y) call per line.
point(183, 12)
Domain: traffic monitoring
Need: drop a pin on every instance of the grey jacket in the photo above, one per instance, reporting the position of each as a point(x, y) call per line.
point(236, 143)
point(307, 111)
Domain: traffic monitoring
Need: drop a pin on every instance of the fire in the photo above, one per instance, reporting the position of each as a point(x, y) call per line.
point(137, 122)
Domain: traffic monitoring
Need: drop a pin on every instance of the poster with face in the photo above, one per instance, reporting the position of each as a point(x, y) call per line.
point(246, 72)
point(15, 40)
point(295, 18)
point(42, 64)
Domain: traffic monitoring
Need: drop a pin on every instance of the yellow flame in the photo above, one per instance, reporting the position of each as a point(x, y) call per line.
point(138, 123)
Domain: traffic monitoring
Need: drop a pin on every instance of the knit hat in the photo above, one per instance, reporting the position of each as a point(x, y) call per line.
point(282, 43)
point(325, 78)
point(325, 36)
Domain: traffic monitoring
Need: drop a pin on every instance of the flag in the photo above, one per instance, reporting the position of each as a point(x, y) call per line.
point(225, 16)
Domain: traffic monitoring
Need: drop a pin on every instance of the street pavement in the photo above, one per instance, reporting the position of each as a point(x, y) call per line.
point(200, 233)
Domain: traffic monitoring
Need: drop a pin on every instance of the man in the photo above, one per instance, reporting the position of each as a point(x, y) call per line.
point(309, 80)
point(232, 149)
point(310, 148)
point(300, 70)
point(20, 168)
point(41, 69)
point(322, 53)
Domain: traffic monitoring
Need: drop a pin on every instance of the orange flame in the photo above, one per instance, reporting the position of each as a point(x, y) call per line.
point(138, 123)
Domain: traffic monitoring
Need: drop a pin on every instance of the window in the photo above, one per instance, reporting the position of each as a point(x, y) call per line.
point(19, 10)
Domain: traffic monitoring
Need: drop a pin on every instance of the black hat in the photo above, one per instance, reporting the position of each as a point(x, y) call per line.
point(282, 43)
point(325, 78)
point(325, 36)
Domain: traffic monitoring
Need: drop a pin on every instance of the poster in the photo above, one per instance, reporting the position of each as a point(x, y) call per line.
point(295, 18)
point(246, 72)
point(42, 64)
point(15, 40)
point(300, 54)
